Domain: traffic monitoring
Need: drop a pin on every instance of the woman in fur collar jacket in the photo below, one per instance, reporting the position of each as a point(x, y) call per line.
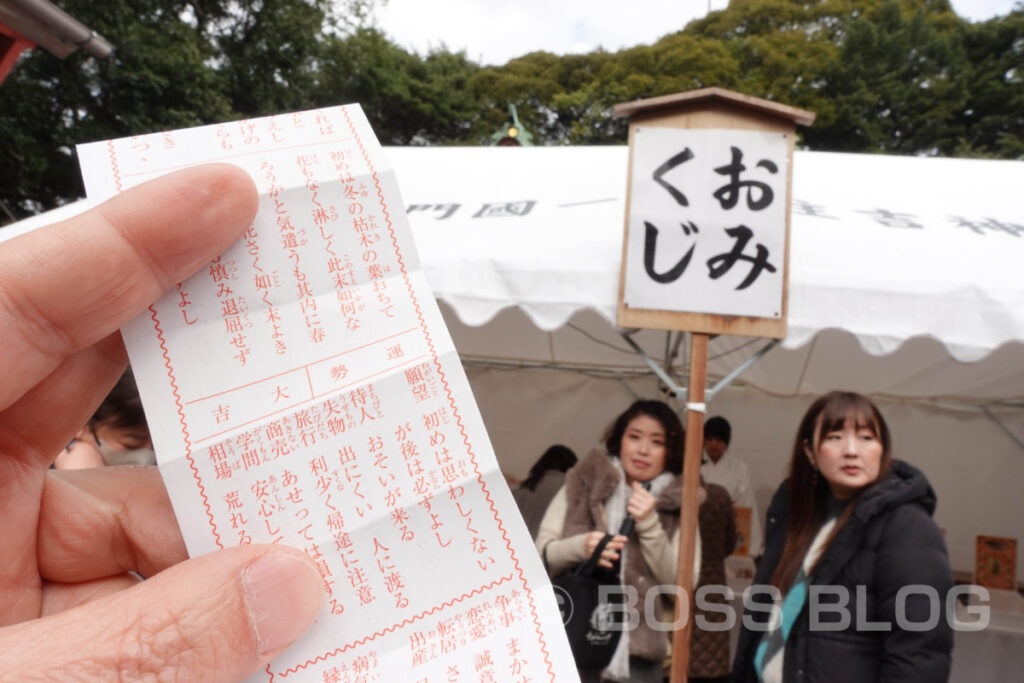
point(636, 474)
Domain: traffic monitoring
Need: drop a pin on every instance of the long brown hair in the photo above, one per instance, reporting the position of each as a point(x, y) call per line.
point(808, 493)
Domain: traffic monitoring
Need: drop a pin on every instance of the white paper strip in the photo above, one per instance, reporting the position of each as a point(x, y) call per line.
point(302, 388)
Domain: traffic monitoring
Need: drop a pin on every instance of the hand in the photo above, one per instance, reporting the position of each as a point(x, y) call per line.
point(71, 605)
point(611, 551)
point(641, 503)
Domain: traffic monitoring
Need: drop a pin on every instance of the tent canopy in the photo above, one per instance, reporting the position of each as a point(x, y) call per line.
point(905, 276)
point(904, 273)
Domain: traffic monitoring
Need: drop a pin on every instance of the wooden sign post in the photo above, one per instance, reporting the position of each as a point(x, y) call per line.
point(706, 249)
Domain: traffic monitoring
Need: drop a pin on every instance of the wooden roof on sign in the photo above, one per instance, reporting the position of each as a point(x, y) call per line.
point(717, 95)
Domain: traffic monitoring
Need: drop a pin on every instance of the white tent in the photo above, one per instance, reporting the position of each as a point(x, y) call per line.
point(906, 283)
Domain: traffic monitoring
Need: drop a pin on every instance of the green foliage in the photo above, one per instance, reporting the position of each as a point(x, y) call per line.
point(569, 100)
point(992, 119)
point(180, 63)
point(271, 51)
point(895, 76)
point(897, 85)
point(176, 63)
point(409, 100)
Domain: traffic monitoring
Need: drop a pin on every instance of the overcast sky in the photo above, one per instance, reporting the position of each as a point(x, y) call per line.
point(495, 31)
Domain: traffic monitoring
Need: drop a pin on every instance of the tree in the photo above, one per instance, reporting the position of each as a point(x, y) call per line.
point(898, 76)
point(158, 78)
point(569, 100)
point(409, 100)
point(176, 63)
point(992, 119)
point(897, 84)
point(529, 82)
point(271, 52)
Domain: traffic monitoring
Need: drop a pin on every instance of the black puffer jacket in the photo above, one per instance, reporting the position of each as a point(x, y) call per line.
point(889, 542)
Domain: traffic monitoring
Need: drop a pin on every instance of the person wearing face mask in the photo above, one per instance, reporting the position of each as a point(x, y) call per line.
point(854, 559)
point(117, 433)
point(76, 544)
point(636, 474)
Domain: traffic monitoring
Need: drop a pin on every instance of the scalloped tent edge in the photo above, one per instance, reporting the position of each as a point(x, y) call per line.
point(919, 277)
point(897, 272)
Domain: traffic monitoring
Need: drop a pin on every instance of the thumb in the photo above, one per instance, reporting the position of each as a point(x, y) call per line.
point(219, 617)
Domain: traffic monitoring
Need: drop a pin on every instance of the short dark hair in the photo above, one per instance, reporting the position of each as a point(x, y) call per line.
point(660, 411)
point(719, 428)
point(122, 408)
point(558, 458)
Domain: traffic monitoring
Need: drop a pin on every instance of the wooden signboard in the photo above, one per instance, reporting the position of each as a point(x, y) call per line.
point(707, 213)
point(706, 249)
point(995, 562)
point(743, 523)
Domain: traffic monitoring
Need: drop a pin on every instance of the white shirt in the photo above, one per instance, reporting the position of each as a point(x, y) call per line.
point(732, 474)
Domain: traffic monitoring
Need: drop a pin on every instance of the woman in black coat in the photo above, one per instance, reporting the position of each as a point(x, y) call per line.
point(858, 568)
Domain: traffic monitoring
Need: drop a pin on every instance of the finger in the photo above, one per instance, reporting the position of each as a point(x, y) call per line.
point(641, 494)
point(58, 597)
point(100, 523)
point(67, 286)
point(219, 617)
point(37, 425)
point(28, 443)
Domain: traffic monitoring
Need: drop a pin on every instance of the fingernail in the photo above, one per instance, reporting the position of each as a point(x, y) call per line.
point(283, 594)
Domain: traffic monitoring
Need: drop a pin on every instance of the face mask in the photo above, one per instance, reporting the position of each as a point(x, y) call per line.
point(134, 456)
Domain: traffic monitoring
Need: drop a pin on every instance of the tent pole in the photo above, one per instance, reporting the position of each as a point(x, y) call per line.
point(689, 506)
point(673, 387)
point(628, 388)
point(675, 350)
point(727, 380)
point(502, 364)
point(992, 416)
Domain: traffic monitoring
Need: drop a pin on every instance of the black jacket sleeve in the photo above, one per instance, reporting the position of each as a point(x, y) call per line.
point(913, 580)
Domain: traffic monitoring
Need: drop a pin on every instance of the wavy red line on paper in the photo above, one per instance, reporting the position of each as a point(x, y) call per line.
point(114, 166)
point(390, 629)
point(451, 401)
point(497, 520)
point(184, 426)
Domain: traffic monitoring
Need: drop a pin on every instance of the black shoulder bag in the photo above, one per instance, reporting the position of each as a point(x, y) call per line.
point(590, 600)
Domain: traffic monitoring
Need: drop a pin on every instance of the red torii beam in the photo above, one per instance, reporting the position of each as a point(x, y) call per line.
point(12, 44)
point(25, 24)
